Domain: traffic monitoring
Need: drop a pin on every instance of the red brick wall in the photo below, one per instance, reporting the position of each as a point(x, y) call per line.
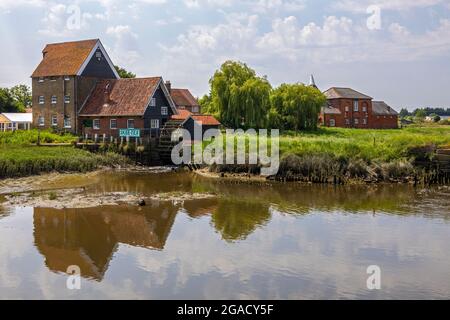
point(385, 122)
point(347, 117)
point(105, 126)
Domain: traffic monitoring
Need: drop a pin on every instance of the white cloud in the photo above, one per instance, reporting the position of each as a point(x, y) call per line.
point(395, 5)
point(125, 50)
point(64, 21)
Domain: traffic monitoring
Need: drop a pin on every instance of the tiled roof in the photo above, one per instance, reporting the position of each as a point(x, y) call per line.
point(183, 97)
point(64, 58)
point(182, 115)
point(127, 97)
point(380, 108)
point(206, 120)
point(344, 93)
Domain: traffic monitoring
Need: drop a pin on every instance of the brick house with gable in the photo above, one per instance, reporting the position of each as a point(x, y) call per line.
point(138, 103)
point(63, 81)
point(348, 108)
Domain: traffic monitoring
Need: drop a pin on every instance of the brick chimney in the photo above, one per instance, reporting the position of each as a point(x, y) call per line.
point(169, 86)
point(108, 93)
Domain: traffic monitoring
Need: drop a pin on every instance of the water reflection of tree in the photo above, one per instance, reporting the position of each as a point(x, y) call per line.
point(89, 237)
point(236, 220)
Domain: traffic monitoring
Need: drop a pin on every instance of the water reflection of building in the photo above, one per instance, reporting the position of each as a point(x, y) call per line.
point(88, 238)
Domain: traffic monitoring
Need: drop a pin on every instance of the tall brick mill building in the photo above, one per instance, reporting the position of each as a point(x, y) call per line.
point(77, 89)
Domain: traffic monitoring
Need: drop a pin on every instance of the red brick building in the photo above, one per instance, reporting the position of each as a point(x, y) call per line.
point(348, 108)
point(114, 104)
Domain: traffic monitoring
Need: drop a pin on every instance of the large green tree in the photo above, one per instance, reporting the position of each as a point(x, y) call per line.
point(21, 94)
point(7, 103)
point(295, 107)
point(239, 97)
point(124, 74)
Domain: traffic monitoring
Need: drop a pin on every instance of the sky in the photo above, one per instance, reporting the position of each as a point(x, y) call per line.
point(393, 50)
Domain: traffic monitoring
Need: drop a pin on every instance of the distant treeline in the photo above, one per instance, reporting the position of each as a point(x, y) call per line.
point(426, 112)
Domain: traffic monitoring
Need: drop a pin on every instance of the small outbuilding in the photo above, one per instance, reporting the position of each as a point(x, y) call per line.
point(15, 121)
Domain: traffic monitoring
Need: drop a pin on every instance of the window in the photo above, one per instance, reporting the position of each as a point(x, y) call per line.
point(364, 108)
point(54, 120)
point(54, 99)
point(347, 121)
point(130, 124)
point(332, 123)
point(195, 109)
point(365, 121)
point(164, 111)
point(154, 124)
point(96, 124)
point(41, 121)
point(41, 79)
point(153, 102)
point(356, 121)
point(41, 100)
point(113, 124)
point(67, 122)
point(53, 79)
point(347, 109)
point(66, 99)
point(66, 78)
point(355, 106)
point(98, 55)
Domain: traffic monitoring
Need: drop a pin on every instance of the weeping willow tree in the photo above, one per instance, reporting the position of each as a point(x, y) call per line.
point(296, 106)
point(239, 97)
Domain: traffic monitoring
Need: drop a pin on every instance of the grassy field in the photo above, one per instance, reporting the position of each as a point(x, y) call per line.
point(31, 137)
point(18, 157)
point(378, 155)
point(368, 145)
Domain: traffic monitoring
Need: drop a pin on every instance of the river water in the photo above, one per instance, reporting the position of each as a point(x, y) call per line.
point(254, 241)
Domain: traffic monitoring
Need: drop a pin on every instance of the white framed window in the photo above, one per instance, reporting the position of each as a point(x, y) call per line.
point(164, 111)
point(41, 100)
point(53, 79)
point(347, 121)
point(347, 109)
point(113, 124)
point(355, 106)
point(41, 121)
point(67, 99)
point(195, 109)
point(332, 123)
point(54, 120)
point(154, 123)
point(356, 121)
point(130, 123)
point(41, 79)
point(98, 55)
point(365, 121)
point(364, 108)
point(153, 102)
point(67, 122)
point(96, 124)
point(66, 78)
point(54, 99)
